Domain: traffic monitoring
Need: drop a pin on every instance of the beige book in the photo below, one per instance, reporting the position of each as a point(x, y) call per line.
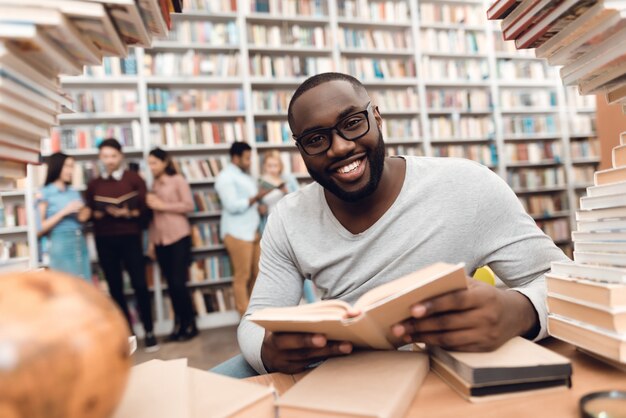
point(380, 308)
point(126, 15)
point(611, 175)
point(598, 214)
point(601, 247)
point(588, 271)
point(517, 360)
point(613, 319)
point(372, 384)
point(216, 396)
point(622, 138)
point(619, 156)
point(603, 342)
point(605, 259)
point(482, 393)
point(602, 226)
point(156, 389)
point(607, 189)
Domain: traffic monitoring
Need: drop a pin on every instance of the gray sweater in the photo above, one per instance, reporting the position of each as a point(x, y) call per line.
point(449, 209)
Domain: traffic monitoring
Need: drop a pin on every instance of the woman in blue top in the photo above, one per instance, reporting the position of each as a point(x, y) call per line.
point(61, 213)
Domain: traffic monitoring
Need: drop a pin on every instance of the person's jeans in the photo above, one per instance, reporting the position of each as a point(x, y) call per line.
point(236, 367)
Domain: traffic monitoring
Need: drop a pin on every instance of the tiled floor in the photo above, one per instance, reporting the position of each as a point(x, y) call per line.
point(208, 349)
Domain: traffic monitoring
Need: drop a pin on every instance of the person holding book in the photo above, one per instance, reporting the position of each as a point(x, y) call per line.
point(274, 179)
point(239, 224)
point(117, 206)
point(369, 219)
point(170, 238)
point(62, 212)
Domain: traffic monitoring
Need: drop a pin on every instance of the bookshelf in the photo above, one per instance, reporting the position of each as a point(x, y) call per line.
point(446, 83)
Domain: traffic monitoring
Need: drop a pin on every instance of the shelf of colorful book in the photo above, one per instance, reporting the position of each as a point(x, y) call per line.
point(14, 230)
point(454, 111)
point(525, 83)
point(390, 82)
point(193, 149)
point(12, 193)
point(206, 114)
point(376, 53)
point(578, 135)
point(529, 111)
point(194, 81)
point(203, 16)
point(287, 49)
point(109, 81)
point(184, 46)
point(291, 82)
point(365, 23)
point(455, 26)
point(444, 54)
point(549, 189)
point(268, 18)
point(456, 83)
point(544, 163)
point(590, 160)
point(552, 215)
point(467, 140)
point(533, 137)
point(267, 146)
point(83, 118)
point(190, 285)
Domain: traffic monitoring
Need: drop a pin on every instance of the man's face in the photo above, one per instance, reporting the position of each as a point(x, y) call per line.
point(111, 159)
point(243, 161)
point(350, 170)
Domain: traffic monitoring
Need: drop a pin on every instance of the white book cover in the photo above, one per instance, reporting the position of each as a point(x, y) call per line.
point(599, 236)
point(589, 272)
point(602, 226)
point(605, 259)
point(603, 201)
point(601, 247)
point(607, 189)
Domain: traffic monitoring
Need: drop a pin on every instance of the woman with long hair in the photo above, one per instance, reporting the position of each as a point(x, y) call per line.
point(170, 234)
point(61, 213)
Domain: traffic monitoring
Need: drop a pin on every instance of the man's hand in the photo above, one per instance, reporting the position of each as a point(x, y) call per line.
point(84, 214)
point(154, 202)
point(122, 212)
point(481, 318)
point(293, 352)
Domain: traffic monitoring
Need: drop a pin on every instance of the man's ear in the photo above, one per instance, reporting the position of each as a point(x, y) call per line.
point(378, 117)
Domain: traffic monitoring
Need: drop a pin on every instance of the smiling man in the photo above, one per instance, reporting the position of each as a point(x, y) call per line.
point(369, 219)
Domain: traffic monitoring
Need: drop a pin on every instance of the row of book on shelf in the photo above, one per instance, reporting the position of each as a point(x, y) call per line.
point(12, 214)
point(44, 40)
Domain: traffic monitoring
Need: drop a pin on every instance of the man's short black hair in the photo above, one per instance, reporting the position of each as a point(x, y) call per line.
point(238, 148)
point(315, 81)
point(111, 143)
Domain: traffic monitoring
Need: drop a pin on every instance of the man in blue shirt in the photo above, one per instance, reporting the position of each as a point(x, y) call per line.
point(239, 226)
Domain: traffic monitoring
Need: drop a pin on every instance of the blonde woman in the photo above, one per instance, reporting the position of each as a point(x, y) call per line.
point(274, 178)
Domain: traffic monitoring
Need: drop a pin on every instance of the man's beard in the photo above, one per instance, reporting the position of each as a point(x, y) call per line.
point(376, 160)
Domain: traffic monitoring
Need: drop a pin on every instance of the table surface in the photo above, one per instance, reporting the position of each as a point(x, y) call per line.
point(436, 399)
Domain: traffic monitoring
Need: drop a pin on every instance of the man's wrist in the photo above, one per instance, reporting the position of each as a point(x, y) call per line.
point(529, 324)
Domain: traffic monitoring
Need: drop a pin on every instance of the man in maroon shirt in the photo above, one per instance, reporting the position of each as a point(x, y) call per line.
point(118, 231)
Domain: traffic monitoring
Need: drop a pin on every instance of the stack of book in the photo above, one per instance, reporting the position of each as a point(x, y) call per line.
point(587, 298)
point(173, 389)
point(42, 39)
point(517, 367)
point(587, 38)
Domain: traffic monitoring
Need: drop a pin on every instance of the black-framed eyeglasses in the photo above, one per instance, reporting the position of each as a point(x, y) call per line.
point(350, 128)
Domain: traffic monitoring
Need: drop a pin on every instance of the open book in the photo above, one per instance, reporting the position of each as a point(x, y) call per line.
point(131, 200)
point(380, 308)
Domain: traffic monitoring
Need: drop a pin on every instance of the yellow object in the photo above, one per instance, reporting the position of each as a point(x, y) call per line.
point(485, 274)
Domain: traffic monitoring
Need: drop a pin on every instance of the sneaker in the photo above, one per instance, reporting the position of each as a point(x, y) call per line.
point(150, 343)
